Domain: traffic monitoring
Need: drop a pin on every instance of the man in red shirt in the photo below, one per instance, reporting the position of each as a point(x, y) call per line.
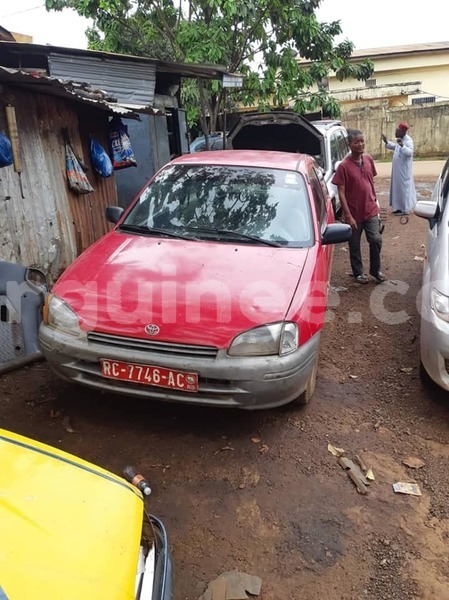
point(355, 180)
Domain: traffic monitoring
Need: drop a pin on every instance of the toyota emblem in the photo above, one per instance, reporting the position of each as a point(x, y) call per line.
point(152, 329)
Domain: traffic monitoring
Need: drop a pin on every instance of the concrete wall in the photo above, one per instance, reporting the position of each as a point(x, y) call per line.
point(429, 126)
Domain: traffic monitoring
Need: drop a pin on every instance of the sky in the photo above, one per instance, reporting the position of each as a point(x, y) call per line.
point(367, 24)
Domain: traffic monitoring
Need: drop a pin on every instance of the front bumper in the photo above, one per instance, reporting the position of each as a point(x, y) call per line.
point(243, 382)
point(434, 340)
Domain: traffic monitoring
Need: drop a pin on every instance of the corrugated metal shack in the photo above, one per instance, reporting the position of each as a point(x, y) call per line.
point(44, 224)
point(148, 86)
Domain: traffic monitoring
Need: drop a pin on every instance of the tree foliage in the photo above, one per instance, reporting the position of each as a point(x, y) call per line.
point(265, 40)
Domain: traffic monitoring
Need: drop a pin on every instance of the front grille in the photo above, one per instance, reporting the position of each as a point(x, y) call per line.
point(167, 348)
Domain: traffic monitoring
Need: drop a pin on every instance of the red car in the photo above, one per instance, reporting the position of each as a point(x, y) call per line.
point(211, 289)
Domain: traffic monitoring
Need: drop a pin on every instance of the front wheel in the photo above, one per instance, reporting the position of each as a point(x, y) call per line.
point(307, 394)
point(426, 380)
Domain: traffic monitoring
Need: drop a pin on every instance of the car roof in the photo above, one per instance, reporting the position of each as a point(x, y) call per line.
point(249, 158)
point(325, 124)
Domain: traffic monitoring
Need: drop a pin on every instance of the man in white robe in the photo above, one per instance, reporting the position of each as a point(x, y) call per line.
point(402, 188)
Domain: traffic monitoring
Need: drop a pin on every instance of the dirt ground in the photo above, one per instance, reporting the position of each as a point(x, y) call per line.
point(259, 492)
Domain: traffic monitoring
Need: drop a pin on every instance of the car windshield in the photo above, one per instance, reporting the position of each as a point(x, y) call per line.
point(225, 203)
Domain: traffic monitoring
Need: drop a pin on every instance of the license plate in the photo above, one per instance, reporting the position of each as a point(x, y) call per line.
point(150, 375)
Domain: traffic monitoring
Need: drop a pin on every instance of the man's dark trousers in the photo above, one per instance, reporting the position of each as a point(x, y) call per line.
point(374, 239)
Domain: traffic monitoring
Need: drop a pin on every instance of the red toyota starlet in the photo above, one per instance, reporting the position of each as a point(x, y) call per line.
point(211, 289)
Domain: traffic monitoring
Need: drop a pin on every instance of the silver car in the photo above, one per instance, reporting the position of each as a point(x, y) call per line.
point(326, 140)
point(435, 289)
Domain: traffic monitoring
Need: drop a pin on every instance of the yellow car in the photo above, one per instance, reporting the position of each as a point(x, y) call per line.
point(71, 530)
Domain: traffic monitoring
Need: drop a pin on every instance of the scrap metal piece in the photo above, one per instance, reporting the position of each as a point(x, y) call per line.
point(355, 474)
point(361, 464)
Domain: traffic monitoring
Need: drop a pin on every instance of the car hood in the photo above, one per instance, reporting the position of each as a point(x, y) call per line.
point(280, 131)
point(69, 529)
point(200, 292)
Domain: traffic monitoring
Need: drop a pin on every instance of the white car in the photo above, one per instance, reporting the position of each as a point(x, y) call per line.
point(435, 288)
point(326, 140)
point(335, 149)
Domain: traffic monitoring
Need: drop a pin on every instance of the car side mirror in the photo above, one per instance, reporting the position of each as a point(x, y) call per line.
point(426, 209)
point(114, 213)
point(335, 233)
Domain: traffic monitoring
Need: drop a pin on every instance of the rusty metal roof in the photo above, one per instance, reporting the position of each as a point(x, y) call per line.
point(129, 83)
point(204, 71)
point(36, 81)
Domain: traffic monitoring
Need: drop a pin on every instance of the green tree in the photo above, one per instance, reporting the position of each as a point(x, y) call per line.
point(263, 40)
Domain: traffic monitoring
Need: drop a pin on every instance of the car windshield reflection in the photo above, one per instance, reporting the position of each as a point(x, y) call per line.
point(260, 206)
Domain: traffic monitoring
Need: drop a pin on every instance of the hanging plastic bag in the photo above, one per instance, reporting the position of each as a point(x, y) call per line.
point(76, 176)
point(6, 157)
point(100, 159)
point(120, 149)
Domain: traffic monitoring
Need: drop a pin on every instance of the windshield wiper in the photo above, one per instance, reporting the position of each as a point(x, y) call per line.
point(235, 234)
point(153, 231)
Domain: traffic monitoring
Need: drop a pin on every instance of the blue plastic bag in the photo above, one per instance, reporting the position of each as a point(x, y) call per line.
point(6, 157)
point(100, 159)
point(120, 149)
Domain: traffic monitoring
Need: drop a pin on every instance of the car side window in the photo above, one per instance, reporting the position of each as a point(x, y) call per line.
point(343, 147)
point(335, 155)
point(319, 198)
point(444, 189)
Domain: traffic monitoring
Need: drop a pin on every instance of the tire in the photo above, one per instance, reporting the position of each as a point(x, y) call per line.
point(307, 394)
point(426, 380)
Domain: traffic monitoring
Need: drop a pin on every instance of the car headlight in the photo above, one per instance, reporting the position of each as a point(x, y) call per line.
point(59, 315)
point(440, 304)
point(266, 340)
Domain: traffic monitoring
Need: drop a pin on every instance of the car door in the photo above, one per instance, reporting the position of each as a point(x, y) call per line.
point(323, 263)
point(435, 269)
